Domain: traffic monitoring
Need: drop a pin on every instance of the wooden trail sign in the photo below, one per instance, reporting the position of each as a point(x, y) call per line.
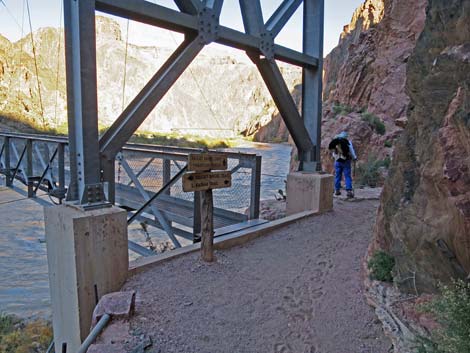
point(201, 179)
point(206, 181)
point(201, 162)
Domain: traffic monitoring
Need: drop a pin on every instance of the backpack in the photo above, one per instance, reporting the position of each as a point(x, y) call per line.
point(340, 147)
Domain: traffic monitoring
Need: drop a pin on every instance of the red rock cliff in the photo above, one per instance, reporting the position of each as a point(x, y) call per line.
point(365, 76)
point(424, 217)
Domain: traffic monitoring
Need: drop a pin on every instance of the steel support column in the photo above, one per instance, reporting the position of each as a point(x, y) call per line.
point(80, 49)
point(281, 16)
point(92, 162)
point(312, 78)
point(253, 23)
point(215, 5)
point(7, 164)
point(252, 17)
point(285, 103)
point(29, 167)
point(189, 6)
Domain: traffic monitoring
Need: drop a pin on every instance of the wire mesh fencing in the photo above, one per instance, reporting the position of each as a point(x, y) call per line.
point(153, 170)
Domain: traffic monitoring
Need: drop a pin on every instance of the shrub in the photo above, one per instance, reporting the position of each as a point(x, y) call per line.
point(452, 311)
point(425, 345)
point(368, 173)
point(17, 336)
point(385, 162)
point(341, 109)
point(381, 265)
point(7, 324)
point(388, 143)
point(374, 122)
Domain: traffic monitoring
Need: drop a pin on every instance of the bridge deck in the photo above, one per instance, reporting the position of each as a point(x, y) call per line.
point(175, 209)
point(42, 163)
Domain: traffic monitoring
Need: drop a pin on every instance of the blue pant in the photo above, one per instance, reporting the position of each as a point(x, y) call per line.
point(340, 168)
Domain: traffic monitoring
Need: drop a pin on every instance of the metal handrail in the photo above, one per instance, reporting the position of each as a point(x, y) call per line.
point(40, 173)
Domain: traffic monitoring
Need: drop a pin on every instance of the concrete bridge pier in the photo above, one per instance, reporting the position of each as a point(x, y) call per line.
point(309, 191)
point(87, 258)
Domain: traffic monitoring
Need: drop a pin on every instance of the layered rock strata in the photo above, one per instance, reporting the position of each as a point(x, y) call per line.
point(424, 216)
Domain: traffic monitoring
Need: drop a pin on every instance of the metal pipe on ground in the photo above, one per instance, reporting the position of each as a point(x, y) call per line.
point(51, 346)
point(94, 333)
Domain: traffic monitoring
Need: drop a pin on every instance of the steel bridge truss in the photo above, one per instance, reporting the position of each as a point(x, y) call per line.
point(148, 185)
point(93, 158)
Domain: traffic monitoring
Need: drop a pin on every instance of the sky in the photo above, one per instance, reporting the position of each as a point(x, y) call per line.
point(14, 20)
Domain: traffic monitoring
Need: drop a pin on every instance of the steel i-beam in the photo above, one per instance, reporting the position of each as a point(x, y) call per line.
point(312, 77)
point(199, 21)
point(82, 102)
point(298, 128)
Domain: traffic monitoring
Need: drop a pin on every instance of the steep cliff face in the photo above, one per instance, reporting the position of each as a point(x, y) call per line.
point(364, 80)
point(368, 68)
point(365, 76)
point(218, 92)
point(365, 18)
point(424, 217)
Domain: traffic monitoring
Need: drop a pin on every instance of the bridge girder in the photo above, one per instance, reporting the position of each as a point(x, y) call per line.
point(92, 158)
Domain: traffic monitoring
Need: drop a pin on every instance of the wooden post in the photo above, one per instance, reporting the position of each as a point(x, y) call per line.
point(255, 188)
point(201, 180)
point(207, 218)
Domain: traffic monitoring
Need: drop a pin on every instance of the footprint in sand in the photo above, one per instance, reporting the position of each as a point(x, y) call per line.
point(317, 294)
point(299, 346)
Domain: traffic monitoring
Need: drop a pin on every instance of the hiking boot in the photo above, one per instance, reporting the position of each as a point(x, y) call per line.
point(350, 194)
point(337, 192)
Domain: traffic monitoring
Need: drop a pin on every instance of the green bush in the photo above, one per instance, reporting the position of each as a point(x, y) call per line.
point(381, 265)
point(368, 173)
point(425, 345)
point(341, 109)
point(17, 336)
point(7, 324)
point(388, 143)
point(374, 122)
point(452, 311)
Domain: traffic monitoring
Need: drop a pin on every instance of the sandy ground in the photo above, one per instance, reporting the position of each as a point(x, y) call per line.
point(298, 290)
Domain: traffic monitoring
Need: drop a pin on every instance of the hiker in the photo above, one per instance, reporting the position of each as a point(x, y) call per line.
point(343, 153)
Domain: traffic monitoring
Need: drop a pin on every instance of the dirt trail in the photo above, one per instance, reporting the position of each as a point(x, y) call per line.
point(298, 290)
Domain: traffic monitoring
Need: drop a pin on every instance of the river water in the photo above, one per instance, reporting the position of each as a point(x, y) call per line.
point(24, 282)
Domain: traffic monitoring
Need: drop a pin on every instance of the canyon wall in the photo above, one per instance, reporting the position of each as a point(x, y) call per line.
point(424, 216)
point(220, 93)
point(364, 80)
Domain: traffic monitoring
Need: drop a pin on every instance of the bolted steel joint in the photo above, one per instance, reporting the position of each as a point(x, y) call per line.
point(266, 45)
point(208, 25)
point(94, 194)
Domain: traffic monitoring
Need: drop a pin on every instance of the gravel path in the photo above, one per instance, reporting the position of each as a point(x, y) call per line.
point(298, 290)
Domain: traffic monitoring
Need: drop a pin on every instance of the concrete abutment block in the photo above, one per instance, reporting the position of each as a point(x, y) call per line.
point(309, 192)
point(87, 258)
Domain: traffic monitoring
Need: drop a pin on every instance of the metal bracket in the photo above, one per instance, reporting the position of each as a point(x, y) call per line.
point(266, 45)
point(208, 26)
point(94, 197)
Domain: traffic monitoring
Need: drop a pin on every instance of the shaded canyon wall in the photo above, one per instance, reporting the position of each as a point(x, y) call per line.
point(424, 216)
point(365, 75)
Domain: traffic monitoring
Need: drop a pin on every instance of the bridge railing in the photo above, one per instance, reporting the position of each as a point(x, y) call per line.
point(148, 184)
point(37, 161)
